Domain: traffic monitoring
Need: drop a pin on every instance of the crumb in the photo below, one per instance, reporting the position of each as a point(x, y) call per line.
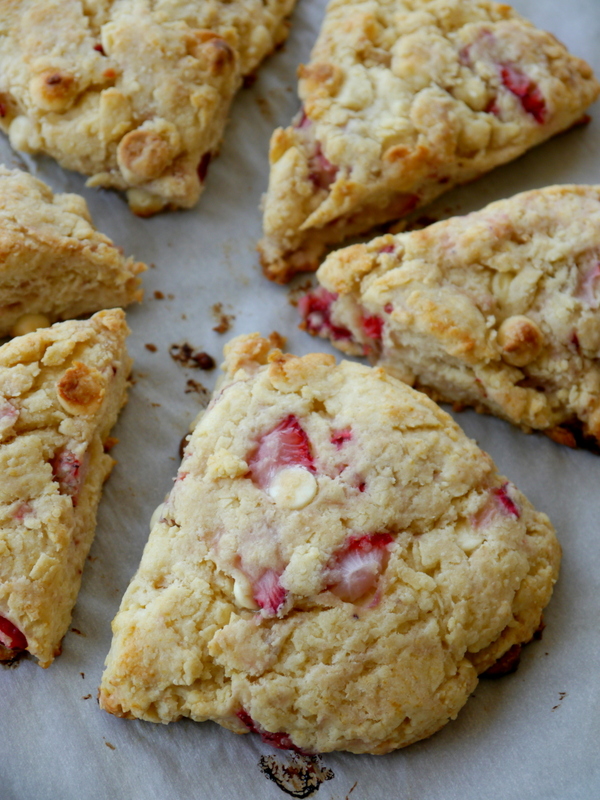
point(86, 696)
point(183, 444)
point(276, 339)
point(296, 292)
point(109, 443)
point(185, 355)
point(170, 297)
point(82, 674)
point(91, 559)
point(153, 266)
point(249, 80)
point(108, 744)
point(202, 391)
point(224, 320)
point(159, 295)
point(265, 108)
point(78, 632)
point(184, 316)
point(152, 347)
point(155, 405)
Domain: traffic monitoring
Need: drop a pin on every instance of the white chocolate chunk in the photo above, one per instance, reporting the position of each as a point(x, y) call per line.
point(293, 488)
point(242, 593)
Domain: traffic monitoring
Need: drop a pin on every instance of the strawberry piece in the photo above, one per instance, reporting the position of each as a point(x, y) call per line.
point(339, 437)
point(321, 171)
point(11, 636)
point(68, 471)
point(286, 445)
point(526, 90)
point(355, 569)
point(280, 740)
point(98, 47)
point(315, 310)
point(8, 416)
point(303, 121)
point(23, 510)
point(587, 286)
point(388, 248)
point(388, 308)
point(372, 326)
point(504, 502)
point(269, 593)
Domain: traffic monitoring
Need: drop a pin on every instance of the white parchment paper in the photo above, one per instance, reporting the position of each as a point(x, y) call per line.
point(534, 734)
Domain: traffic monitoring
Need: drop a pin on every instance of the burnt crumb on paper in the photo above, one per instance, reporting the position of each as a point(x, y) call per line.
point(10, 659)
point(296, 775)
point(199, 389)
point(183, 444)
point(151, 347)
point(78, 632)
point(185, 355)
point(86, 696)
point(158, 295)
point(108, 744)
point(506, 664)
point(223, 320)
point(561, 697)
point(354, 785)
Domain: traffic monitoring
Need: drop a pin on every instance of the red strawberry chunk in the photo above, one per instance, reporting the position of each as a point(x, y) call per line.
point(321, 171)
point(388, 308)
point(505, 502)
point(315, 310)
point(355, 569)
point(372, 326)
point(269, 593)
point(11, 636)
point(23, 510)
point(303, 121)
point(526, 90)
point(280, 740)
point(388, 248)
point(68, 471)
point(339, 437)
point(286, 445)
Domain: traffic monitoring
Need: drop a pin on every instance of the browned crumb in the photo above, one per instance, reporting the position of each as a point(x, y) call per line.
point(78, 632)
point(202, 391)
point(86, 696)
point(249, 80)
point(223, 319)
point(82, 674)
point(170, 297)
point(108, 744)
point(265, 108)
point(185, 355)
point(159, 295)
point(277, 340)
point(296, 292)
point(155, 405)
point(109, 443)
point(152, 347)
point(506, 664)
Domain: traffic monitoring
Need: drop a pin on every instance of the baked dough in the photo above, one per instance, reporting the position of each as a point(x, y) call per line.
point(402, 100)
point(53, 261)
point(61, 390)
point(334, 566)
point(497, 309)
point(133, 93)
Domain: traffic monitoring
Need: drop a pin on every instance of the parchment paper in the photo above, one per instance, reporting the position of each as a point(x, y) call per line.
point(534, 734)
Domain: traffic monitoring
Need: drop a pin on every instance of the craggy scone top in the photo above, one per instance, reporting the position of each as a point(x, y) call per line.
point(497, 309)
point(402, 99)
point(333, 567)
point(132, 93)
point(52, 259)
point(61, 389)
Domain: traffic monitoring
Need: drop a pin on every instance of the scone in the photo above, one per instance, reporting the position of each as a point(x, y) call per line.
point(497, 309)
point(334, 566)
point(402, 100)
point(53, 262)
point(61, 390)
point(133, 94)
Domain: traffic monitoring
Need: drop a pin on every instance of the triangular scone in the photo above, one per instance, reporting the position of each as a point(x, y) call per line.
point(402, 100)
point(333, 567)
point(53, 262)
point(133, 94)
point(61, 390)
point(497, 309)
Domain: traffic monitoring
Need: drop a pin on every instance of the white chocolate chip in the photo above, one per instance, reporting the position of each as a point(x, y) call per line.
point(242, 593)
point(293, 488)
point(28, 323)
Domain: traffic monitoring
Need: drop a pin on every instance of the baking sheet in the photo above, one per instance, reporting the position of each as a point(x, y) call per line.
point(534, 734)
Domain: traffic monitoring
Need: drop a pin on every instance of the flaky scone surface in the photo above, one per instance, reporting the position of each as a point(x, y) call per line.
point(403, 99)
point(61, 389)
point(497, 309)
point(334, 566)
point(133, 93)
point(52, 259)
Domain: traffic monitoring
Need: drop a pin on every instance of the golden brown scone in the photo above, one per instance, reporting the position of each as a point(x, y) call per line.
point(61, 390)
point(133, 93)
point(334, 566)
point(402, 100)
point(54, 264)
point(497, 309)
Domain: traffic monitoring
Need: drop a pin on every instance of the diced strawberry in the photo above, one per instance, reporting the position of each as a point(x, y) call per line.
point(362, 487)
point(355, 569)
point(98, 47)
point(68, 471)
point(388, 308)
point(286, 445)
point(587, 285)
point(505, 502)
point(303, 121)
point(269, 593)
point(321, 171)
point(315, 310)
point(11, 636)
point(339, 437)
point(575, 341)
point(526, 90)
point(23, 510)
point(8, 415)
point(372, 326)
point(388, 248)
point(280, 740)
point(493, 107)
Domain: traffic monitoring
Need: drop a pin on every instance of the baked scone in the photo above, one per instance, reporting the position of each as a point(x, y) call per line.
point(333, 567)
point(53, 262)
point(61, 390)
point(402, 100)
point(497, 309)
point(133, 94)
